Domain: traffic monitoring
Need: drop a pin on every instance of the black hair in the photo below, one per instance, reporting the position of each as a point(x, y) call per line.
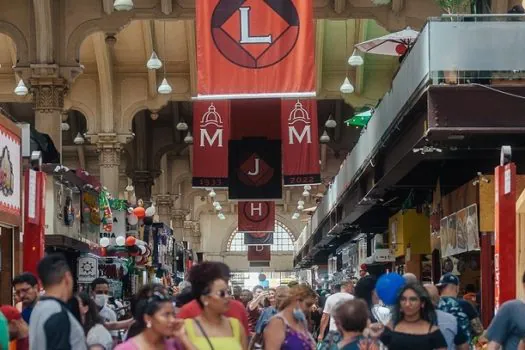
point(517, 9)
point(427, 313)
point(74, 307)
point(364, 289)
point(97, 281)
point(202, 276)
point(52, 269)
point(257, 287)
point(26, 277)
point(352, 315)
point(92, 316)
point(470, 288)
point(145, 293)
point(523, 278)
point(225, 269)
point(337, 287)
point(148, 307)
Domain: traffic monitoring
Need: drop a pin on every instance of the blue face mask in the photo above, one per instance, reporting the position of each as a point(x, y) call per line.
point(299, 315)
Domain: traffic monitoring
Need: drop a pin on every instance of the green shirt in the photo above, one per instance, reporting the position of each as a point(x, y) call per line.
point(4, 333)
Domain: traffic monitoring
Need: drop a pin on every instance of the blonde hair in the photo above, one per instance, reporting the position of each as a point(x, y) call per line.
point(300, 291)
point(281, 294)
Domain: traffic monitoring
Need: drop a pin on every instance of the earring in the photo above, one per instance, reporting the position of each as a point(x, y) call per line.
point(206, 303)
point(148, 324)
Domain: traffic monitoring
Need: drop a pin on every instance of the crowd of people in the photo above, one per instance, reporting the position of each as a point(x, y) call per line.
point(205, 313)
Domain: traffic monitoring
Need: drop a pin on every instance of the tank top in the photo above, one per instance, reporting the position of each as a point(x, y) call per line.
point(296, 340)
point(217, 343)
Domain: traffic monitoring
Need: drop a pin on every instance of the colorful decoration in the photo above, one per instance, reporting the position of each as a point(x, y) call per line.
point(130, 241)
point(361, 119)
point(107, 216)
point(120, 240)
point(401, 49)
point(118, 204)
point(133, 219)
point(139, 212)
point(104, 242)
point(150, 211)
point(388, 287)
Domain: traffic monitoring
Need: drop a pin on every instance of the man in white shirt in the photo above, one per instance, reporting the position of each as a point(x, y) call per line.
point(344, 294)
point(100, 290)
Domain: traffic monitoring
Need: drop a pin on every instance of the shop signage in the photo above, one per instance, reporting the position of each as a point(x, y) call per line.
point(248, 49)
point(300, 142)
point(10, 155)
point(87, 269)
point(384, 256)
point(459, 232)
point(118, 227)
point(211, 130)
point(259, 253)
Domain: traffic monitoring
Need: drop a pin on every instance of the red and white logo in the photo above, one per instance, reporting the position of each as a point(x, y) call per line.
point(299, 125)
point(211, 128)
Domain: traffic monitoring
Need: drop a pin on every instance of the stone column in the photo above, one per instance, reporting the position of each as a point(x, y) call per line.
point(164, 204)
point(48, 95)
point(109, 162)
point(178, 217)
point(143, 181)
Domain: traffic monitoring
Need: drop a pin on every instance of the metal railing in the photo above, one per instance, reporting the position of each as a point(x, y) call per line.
point(452, 49)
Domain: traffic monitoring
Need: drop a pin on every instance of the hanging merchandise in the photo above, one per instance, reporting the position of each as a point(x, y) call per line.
point(107, 216)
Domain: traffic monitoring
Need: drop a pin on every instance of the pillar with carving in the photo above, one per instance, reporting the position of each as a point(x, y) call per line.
point(48, 96)
point(109, 152)
point(164, 204)
point(143, 181)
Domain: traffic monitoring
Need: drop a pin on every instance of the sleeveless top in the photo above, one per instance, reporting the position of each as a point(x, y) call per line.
point(218, 343)
point(296, 340)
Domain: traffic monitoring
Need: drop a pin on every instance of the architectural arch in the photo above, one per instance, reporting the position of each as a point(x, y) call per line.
point(283, 240)
point(20, 42)
point(159, 102)
point(88, 113)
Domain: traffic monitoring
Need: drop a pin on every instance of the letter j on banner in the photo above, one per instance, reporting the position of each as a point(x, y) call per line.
point(256, 216)
point(300, 142)
point(211, 130)
point(255, 48)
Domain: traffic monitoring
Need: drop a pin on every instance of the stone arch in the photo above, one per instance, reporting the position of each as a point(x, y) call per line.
point(88, 113)
point(233, 232)
point(20, 41)
point(126, 122)
point(165, 149)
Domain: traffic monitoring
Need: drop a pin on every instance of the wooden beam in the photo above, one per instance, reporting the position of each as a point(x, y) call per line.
point(166, 6)
point(148, 31)
point(191, 47)
point(319, 53)
point(105, 77)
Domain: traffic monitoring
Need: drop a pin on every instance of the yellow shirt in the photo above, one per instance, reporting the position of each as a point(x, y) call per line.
point(219, 343)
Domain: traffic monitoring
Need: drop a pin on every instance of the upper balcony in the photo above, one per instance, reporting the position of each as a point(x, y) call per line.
point(469, 50)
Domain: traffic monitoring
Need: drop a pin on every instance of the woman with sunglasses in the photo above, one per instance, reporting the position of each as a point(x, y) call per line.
point(158, 327)
point(288, 330)
point(414, 323)
point(211, 330)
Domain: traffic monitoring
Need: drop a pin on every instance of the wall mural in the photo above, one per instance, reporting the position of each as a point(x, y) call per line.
point(9, 172)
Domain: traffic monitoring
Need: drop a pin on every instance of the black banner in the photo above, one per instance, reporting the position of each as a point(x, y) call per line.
point(255, 169)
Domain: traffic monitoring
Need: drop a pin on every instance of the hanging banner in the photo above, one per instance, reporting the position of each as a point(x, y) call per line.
point(254, 169)
point(300, 142)
point(258, 238)
point(211, 130)
point(259, 253)
point(10, 176)
point(249, 49)
point(256, 216)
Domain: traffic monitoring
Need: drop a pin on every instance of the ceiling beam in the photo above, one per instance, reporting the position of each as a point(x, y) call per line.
point(148, 32)
point(319, 53)
point(191, 47)
point(105, 77)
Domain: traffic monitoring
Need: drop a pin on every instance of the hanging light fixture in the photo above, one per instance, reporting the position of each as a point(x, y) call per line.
point(306, 193)
point(64, 126)
point(221, 216)
point(300, 206)
point(215, 204)
point(21, 89)
point(78, 140)
point(164, 87)
point(324, 137)
point(218, 207)
point(212, 193)
point(154, 63)
point(330, 123)
point(182, 126)
point(356, 59)
point(123, 5)
point(188, 139)
point(295, 216)
point(346, 87)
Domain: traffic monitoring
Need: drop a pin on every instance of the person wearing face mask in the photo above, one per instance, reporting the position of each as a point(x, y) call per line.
point(212, 330)
point(288, 330)
point(53, 326)
point(100, 293)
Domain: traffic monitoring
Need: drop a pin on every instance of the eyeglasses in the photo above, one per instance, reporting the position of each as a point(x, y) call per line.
point(411, 300)
point(221, 293)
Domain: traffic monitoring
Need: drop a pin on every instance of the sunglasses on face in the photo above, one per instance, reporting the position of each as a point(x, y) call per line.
point(412, 300)
point(221, 293)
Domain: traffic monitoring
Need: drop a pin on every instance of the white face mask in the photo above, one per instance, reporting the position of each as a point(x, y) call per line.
point(101, 299)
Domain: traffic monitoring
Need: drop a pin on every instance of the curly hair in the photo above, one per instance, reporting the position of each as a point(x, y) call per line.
point(300, 291)
point(202, 276)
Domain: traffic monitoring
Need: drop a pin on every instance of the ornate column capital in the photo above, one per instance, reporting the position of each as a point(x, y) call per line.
point(109, 149)
point(48, 96)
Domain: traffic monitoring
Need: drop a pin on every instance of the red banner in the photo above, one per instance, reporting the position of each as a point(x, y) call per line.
point(259, 253)
point(211, 129)
point(300, 142)
point(256, 216)
point(255, 48)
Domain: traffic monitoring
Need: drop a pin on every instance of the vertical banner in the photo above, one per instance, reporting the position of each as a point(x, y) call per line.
point(300, 142)
point(258, 238)
point(211, 130)
point(255, 169)
point(249, 49)
point(256, 216)
point(259, 253)
point(505, 234)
